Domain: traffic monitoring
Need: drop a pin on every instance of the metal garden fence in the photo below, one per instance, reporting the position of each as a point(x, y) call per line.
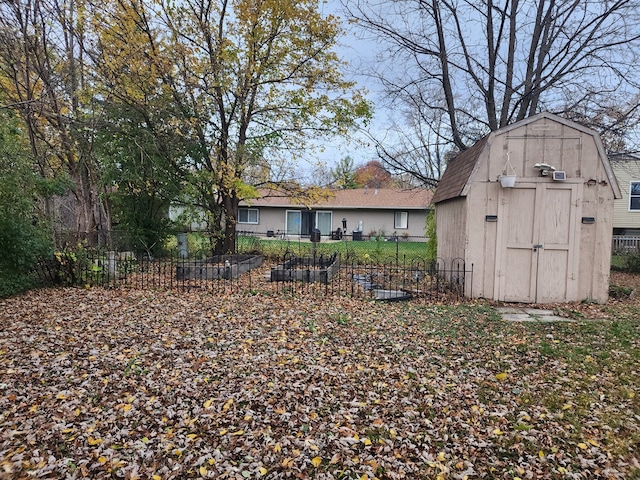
point(390, 278)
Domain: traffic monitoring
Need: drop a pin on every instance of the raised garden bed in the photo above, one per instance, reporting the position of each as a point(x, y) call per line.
point(377, 286)
point(218, 267)
point(306, 269)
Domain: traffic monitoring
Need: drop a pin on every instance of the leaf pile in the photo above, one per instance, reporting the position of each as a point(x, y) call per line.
point(140, 384)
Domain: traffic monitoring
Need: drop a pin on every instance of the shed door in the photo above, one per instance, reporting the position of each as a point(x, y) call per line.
point(539, 243)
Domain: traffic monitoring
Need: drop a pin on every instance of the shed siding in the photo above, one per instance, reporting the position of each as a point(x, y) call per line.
point(451, 229)
point(481, 247)
point(595, 243)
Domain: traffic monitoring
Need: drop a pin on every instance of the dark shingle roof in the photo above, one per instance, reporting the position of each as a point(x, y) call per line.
point(457, 172)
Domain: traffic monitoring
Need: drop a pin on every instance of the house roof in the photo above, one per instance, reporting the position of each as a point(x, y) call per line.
point(357, 198)
point(460, 169)
point(623, 157)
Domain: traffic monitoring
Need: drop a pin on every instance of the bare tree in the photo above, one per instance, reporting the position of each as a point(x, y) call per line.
point(483, 64)
point(416, 147)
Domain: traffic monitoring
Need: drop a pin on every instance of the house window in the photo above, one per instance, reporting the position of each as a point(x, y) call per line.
point(634, 196)
point(248, 215)
point(401, 220)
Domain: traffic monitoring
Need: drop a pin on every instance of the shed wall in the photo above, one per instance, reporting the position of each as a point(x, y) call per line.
point(451, 218)
point(543, 141)
point(481, 247)
point(576, 153)
point(595, 243)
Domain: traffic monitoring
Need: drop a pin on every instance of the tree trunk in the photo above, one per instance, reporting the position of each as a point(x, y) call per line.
point(231, 203)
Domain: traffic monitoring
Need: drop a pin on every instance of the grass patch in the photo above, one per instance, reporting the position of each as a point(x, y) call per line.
point(369, 250)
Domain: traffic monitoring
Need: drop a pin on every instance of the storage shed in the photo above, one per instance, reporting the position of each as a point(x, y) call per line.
point(530, 206)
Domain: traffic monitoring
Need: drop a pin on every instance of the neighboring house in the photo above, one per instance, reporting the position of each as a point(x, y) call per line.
point(547, 238)
point(626, 210)
point(190, 219)
point(359, 212)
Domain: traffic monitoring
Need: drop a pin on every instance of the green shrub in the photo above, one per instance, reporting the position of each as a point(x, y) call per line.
point(24, 236)
point(22, 243)
point(626, 262)
point(430, 232)
point(618, 291)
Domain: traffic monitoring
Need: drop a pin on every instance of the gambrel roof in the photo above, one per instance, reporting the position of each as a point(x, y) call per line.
point(460, 170)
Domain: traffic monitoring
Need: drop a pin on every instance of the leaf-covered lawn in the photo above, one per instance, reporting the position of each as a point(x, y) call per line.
point(133, 384)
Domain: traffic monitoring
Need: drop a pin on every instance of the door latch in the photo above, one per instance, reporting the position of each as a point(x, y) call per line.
point(536, 247)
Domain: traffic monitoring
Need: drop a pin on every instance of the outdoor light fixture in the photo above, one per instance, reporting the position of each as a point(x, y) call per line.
point(544, 168)
point(491, 218)
point(588, 220)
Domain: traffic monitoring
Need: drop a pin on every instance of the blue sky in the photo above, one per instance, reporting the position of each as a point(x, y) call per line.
point(361, 56)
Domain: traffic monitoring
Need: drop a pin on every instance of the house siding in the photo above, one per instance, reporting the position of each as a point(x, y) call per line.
point(374, 209)
point(273, 218)
point(626, 171)
point(268, 219)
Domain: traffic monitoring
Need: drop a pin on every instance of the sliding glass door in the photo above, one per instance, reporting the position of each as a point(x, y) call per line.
point(300, 222)
point(293, 222)
point(323, 222)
